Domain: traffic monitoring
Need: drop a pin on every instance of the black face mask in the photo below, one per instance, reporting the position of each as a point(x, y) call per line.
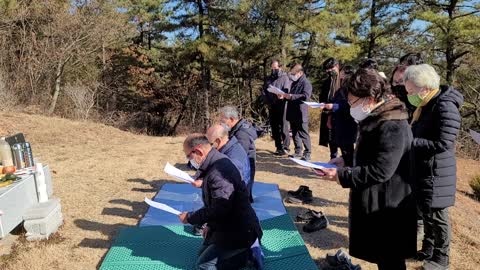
point(399, 90)
point(275, 72)
point(332, 73)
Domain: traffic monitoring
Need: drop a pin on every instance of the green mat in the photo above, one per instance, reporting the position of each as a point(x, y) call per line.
point(174, 247)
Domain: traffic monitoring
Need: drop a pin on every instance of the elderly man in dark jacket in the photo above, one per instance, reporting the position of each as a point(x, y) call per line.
point(297, 111)
point(218, 136)
point(382, 212)
point(246, 135)
point(232, 225)
point(435, 125)
point(276, 107)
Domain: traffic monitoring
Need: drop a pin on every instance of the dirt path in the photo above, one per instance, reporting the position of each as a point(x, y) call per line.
point(102, 175)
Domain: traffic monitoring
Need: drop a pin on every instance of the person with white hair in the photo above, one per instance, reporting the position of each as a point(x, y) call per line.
point(246, 135)
point(435, 126)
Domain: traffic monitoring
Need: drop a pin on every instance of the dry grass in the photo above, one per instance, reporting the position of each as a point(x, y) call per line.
point(102, 175)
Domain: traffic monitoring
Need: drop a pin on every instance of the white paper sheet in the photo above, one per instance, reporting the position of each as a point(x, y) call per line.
point(162, 206)
point(475, 135)
point(275, 90)
point(316, 165)
point(314, 105)
point(176, 173)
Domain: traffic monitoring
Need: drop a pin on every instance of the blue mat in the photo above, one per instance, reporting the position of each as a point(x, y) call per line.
point(184, 197)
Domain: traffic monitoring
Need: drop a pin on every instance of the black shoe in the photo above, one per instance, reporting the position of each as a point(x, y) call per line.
point(307, 216)
point(296, 155)
point(298, 191)
point(306, 157)
point(340, 258)
point(305, 196)
point(316, 224)
point(280, 152)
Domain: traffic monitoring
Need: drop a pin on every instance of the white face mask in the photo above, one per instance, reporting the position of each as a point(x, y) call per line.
point(359, 113)
point(194, 164)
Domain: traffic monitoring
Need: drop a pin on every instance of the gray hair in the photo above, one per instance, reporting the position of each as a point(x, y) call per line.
point(218, 131)
point(423, 76)
point(196, 139)
point(230, 112)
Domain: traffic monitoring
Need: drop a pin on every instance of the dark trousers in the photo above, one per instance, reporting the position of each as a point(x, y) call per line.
point(280, 128)
point(252, 179)
point(437, 234)
point(212, 257)
point(392, 265)
point(301, 136)
point(347, 152)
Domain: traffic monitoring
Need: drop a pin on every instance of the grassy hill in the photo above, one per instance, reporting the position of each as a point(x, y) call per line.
point(102, 174)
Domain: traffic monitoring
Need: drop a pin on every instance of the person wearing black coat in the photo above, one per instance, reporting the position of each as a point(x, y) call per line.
point(435, 125)
point(297, 111)
point(343, 132)
point(276, 107)
point(330, 85)
point(232, 225)
point(246, 135)
point(382, 209)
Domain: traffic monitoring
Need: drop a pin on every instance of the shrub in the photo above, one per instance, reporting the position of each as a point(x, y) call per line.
point(475, 184)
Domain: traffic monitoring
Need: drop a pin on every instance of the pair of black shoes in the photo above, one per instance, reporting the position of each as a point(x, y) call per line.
point(315, 221)
point(341, 261)
point(300, 196)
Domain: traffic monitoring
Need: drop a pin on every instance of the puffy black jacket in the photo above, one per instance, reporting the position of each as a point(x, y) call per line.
point(231, 219)
point(246, 135)
point(434, 144)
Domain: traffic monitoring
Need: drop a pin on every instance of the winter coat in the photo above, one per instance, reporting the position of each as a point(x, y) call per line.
point(282, 82)
point(344, 127)
point(237, 154)
point(246, 135)
point(301, 91)
point(382, 213)
point(434, 142)
point(231, 220)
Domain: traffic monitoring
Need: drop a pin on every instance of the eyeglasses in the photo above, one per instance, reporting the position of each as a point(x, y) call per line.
point(191, 152)
point(351, 103)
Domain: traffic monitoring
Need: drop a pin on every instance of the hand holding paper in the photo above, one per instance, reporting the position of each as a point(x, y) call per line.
point(314, 165)
point(314, 105)
point(275, 90)
point(181, 175)
point(162, 206)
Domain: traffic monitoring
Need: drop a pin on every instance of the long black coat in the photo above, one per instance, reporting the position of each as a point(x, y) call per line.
point(344, 126)
point(434, 143)
point(231, 219)
point(301, 90)
point(382, 214)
